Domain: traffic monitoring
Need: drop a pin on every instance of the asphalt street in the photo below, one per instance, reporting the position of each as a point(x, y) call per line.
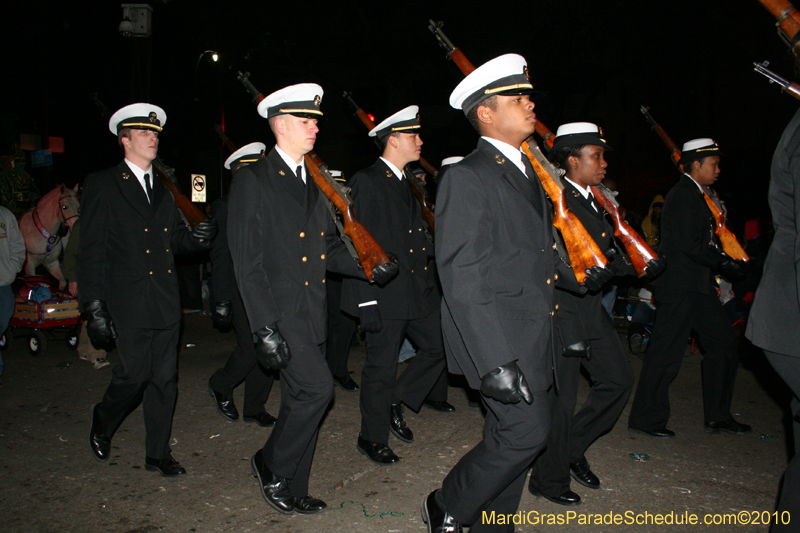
point(50, 481)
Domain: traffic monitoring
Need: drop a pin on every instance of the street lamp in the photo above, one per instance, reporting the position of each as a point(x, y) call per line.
point(214, 58)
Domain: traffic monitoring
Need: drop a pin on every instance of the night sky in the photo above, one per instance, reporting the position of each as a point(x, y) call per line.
point(597, 61)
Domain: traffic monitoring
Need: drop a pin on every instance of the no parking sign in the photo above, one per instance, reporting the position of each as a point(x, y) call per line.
point(198, 188)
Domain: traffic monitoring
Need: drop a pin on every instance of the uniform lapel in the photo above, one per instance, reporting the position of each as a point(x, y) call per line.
point(395, 184)
point(286, 179)
point(158, 193)
point(514, 176)
point(132, 190)
point(312, 193)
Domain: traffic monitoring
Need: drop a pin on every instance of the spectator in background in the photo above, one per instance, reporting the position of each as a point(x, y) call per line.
point(651, 225)
point(12, 256)
point(86, 350)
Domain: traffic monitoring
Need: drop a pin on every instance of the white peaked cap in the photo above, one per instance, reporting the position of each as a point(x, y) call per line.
point(253, 149)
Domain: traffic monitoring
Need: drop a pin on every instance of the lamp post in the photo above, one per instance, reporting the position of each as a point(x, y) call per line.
point(214, 58)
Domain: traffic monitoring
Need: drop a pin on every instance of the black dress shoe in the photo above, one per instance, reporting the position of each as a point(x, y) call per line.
point(662, 433)
point(346, 383)
point(263, 419)
point(581, 473)
point(274, 489)
point(99, 442)
point(442, 407)
point(167, 467)
point(565, 498)
point(225, 405)
point(728, 426)
point(309, 505)
point(435, 515)
point(377, 452)
point(398, 424)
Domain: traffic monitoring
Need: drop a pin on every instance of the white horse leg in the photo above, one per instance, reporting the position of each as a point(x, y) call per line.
point(31, 262)
point(54, 267)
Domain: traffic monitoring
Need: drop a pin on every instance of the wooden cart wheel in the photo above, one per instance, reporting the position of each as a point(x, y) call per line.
point(72, 338)
point(5, 340)
point(37, 343)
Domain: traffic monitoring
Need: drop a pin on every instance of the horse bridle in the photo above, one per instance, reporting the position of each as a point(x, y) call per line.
point(49, 237)
point(63, 207)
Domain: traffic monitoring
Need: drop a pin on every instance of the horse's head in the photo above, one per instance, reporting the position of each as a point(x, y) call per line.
point(68, 205)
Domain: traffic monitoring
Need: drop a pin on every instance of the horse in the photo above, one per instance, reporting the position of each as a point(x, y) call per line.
point(44, 227)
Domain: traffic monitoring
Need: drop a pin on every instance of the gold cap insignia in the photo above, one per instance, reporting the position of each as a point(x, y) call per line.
point(153, 117)
point(317, 100)
point(527, 74)
point(499, 159)
point(281, 172)
point(418, 120)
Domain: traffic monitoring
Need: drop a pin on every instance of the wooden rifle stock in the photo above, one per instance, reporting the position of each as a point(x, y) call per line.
point(582, 250)
point(370, 254)
point(637, 248)
point(369, 251)
point(730, 245)
point(417, 187)
point(166, 174)
point(788, 21)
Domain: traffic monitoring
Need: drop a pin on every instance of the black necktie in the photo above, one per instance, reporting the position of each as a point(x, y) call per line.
point(299, 174)
point(591, 201)
point(148, 188)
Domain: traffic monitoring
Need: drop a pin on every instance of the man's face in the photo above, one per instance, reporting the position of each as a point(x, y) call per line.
point(409, 146)
point(299, 134)
point(141, 146)
point(707, 173)
point(514, 118)
point(588, 169)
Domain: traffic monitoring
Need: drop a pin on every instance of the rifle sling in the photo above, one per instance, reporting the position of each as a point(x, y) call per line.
point(348, 242)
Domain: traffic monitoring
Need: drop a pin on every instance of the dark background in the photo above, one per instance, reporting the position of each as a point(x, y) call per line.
point(691, 61)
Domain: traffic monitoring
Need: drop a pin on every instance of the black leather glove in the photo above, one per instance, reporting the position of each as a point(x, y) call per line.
point(506, 384)
point(370, 319)
point(272, 350)
point(99, 324)
point(206, 230)
point(579, 349)
point(655, 267)
point(732, 269)
point(383, 274)
point(221, 317)
point(617, 264)
point(596, 277)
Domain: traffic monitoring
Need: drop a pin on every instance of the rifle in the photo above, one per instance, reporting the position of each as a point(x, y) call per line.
point(788, 21)
point(583, 252)
point(229, 144)
point(417, 186)
point(166, 174)
point(369, 252)
point(639, 252)
point(726, 238)
point(786, 85)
